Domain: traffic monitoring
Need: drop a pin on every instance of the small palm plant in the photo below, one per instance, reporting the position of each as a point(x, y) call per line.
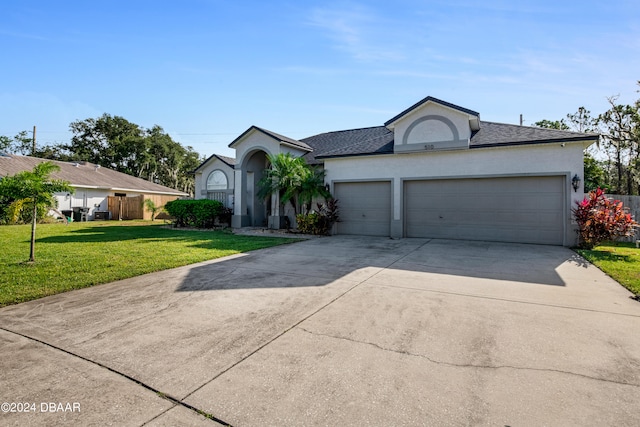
point(153, 208)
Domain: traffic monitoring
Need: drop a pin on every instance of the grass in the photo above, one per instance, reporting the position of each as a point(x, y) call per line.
point(621, 261)
point(79, 255)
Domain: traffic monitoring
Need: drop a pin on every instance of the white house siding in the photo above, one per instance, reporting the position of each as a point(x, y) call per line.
point(541, 159)
point(92, 198)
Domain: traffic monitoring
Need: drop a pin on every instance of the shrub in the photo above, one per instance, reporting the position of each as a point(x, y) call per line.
point(600, 219)
point(320, 221)
point(224, 217)
point(194, 213)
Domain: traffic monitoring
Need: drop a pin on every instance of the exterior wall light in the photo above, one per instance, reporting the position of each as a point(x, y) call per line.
point(575, 182)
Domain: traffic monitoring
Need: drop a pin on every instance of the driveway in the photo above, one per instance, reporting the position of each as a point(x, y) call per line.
point(334, 331)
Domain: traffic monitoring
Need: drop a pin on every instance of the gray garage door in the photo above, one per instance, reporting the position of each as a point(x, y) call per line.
point(365, 208)
point(514, 209)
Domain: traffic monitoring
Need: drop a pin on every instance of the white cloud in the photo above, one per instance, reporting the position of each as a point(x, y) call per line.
point(354, 30)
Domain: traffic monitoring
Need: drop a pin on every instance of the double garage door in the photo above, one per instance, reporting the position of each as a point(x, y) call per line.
point(509, 209)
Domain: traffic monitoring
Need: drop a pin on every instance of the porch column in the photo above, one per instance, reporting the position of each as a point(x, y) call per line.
point(240, 218)
point(275, 220)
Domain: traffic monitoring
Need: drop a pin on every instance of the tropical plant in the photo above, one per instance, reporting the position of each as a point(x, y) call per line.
point(601, 219)
point(293, 180)
point(152, 207)
point(320, 221)
point(34, 190)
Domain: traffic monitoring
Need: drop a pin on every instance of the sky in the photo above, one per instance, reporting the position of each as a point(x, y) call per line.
point(207, 70)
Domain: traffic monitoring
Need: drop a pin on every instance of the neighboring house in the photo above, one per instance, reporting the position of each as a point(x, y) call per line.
point(435, 171)
point(101, 193)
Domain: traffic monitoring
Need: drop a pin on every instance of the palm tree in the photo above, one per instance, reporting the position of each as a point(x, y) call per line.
point(311, 187)
point(284, 177)
point(35, 189)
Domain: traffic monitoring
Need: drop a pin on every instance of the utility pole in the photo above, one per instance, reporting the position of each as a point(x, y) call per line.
point(33, 149)
point(521, 121)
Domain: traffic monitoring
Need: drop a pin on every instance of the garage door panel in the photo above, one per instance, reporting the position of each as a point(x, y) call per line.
point(365, 208)
point(514, 209)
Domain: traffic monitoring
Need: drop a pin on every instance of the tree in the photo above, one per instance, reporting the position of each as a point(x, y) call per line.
point(619, 126)
point(293, 180)
point(581, 121)
point(548, 124)
point(35, 189)
point(312, 187)
point(284, 178)
point(594, 174)
point(151, 154)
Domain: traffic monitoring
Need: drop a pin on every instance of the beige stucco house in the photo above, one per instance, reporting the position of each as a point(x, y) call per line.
point(435, 170)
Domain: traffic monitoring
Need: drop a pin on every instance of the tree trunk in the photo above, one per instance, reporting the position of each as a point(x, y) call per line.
point(32, 254)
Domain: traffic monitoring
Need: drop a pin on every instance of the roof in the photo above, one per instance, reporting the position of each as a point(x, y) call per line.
point(435, 100)
point(380, 139)
point(229, 161)
point(276, 136)
point(86, 175)
point(500, 134)
point(371, 140)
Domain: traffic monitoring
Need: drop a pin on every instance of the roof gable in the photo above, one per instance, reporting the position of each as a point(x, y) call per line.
point(229, 161)
point(430, 99)
point(280, 138)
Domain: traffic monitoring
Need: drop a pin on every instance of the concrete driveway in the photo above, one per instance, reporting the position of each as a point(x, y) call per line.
point(334, 331)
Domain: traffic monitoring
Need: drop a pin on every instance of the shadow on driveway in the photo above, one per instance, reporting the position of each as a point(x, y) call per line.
point(319, 262)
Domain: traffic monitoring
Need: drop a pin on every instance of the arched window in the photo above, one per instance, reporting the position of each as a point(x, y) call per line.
point(217, 180)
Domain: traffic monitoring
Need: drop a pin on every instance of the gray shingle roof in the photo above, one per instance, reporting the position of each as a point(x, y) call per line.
point(497, 134)
point(379, 139)
point(372, 140)
point(85, 174)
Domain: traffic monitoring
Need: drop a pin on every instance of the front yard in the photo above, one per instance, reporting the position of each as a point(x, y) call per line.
point(79, 255)
point(621, 261)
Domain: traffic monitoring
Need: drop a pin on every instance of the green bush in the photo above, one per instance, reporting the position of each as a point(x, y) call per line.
point(320, 221)
point(194, 213)
point(224, 217)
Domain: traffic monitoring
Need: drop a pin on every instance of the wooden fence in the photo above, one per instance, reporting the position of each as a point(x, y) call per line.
point(126, 207)
point(133, 207)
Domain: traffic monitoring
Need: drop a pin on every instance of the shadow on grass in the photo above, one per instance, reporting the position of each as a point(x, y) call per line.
point(206, 239)
point(604, 256)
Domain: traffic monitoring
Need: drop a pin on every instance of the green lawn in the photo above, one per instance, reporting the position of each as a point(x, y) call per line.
point(84, 254)
point(619, 260)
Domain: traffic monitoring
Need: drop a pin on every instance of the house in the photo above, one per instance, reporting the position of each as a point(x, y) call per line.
point(435, 170)
point(100, 193)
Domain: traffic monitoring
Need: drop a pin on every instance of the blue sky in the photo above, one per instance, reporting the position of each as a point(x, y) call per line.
point(206, 70)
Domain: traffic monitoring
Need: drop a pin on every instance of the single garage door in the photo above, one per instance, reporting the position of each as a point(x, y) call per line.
point(365, 208)
point(513, 209)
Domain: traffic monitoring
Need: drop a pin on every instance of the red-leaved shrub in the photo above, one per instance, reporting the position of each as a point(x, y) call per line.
point(600, 219)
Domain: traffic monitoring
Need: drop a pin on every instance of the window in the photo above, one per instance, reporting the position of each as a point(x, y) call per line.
point(217, 180)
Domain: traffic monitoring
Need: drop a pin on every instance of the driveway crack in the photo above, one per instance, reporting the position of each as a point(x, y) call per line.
point(298, 323)
point(158, 393)
point(465, 365)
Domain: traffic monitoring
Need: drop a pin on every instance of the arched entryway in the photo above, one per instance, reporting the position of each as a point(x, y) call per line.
point(251, 210)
